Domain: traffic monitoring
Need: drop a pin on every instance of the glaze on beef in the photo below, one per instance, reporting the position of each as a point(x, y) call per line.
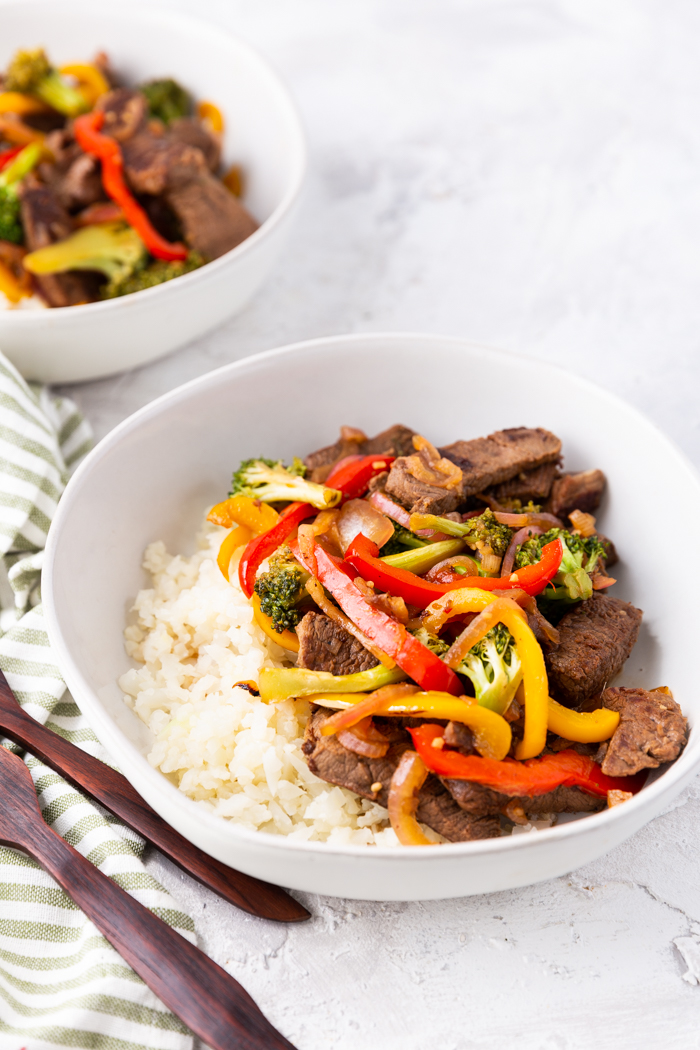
point(595, 639)
point(652, 730)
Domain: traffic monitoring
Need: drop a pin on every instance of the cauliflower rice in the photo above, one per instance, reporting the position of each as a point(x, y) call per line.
point(195, 638)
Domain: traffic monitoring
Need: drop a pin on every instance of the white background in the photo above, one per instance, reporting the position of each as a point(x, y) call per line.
point(525, 174)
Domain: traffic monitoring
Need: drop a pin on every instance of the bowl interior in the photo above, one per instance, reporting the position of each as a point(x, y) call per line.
point(145, 43)
point(153, 477)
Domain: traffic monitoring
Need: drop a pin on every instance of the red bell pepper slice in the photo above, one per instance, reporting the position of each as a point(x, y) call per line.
point(363, 555)
point(86, 129)
point(412, 656)
point(9, 155)
point(352, 476)
point(536, 776)
point(262, 546)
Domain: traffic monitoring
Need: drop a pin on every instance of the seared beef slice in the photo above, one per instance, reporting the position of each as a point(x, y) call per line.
point(480, 801)
point(330, 761)
point(581, 491)
point(532, 485)
point(396, 441)
point(174, 165)
point(46, 221)
point(595, 639)
point(501, 456)
point(652, 730)
point(326, 646)
point(417, 496)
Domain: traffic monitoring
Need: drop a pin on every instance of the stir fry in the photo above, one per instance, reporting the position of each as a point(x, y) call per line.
point(449, 615)
point(107, 189)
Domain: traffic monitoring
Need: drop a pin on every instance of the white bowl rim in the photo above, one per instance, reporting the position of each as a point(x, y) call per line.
point(300, 159)
point(681, 770)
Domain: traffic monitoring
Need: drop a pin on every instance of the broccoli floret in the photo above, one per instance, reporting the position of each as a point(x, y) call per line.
point(112, 248)
point(167, 100)
point(431, 641)
point(30, 72)
point(156, 272)
point(280, 589)
point(10, 179)
point(269, 480)
point(581, 556)
point(483, 533)
point(402, 540)
point(493, 666)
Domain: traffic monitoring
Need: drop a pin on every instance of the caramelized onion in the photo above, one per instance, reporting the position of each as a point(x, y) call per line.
point(490, 562)
point(517, 521)
point(519, 537)
point(364, 739)
point(584, 524)
point(307, 545)
point(359, 516)
point(338, 616)
point(599, 582)
point(375, 702)
point(409, 776)
point(431, 468)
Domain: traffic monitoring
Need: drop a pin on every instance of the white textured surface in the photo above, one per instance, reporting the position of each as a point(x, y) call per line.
point(527, 175)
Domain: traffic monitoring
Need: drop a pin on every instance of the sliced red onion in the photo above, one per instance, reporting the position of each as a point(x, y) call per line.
point(519, 537)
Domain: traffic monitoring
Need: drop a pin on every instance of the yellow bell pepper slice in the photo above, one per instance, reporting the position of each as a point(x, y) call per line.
point(242, 510)
point(461, 600)
point(535, 685)
point(584, 727)
point(13, 289)
point(287, 639)
point(283, 683)
point(233, 180)
point(22, 105)
point(91, 81)
point(492, 734)
point(236, 538)
point(212, 116)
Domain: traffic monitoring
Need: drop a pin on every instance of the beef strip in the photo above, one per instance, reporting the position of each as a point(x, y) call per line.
point(503, 455)
point(154, 163)
point(326, 646)
point(160, 162)
point(192, 133)
point(126, 113)
point(396, 441)
point(595, 639)
point(212, 219)
point(46, 221)
point(417, 496)
point(480, 801)
point(330, 761)
point(582, 491)
point(652, 730)
point(532, 485)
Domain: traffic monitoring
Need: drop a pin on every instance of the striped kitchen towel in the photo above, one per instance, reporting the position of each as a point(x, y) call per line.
point(61, 983)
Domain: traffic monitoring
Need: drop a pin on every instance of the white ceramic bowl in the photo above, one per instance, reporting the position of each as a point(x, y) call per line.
point(154, 474)
point(263, 134)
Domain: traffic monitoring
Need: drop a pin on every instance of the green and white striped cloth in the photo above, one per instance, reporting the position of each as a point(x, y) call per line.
point(61, 983)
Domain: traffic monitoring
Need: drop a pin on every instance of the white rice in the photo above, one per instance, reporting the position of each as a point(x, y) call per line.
point(195, 638)
point(27, 302)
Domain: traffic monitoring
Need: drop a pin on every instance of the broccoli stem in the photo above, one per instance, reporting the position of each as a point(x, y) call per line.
point(422, 559)
point(53, 90)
